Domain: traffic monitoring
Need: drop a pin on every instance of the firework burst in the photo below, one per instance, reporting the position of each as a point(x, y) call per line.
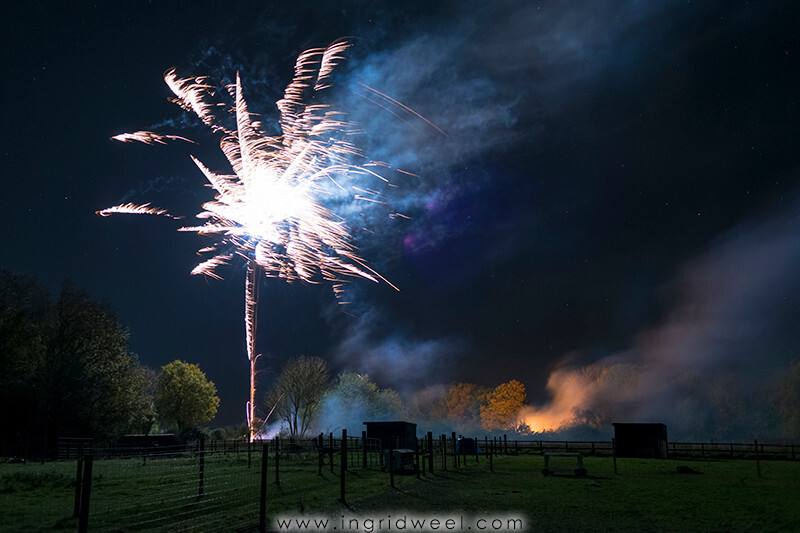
point(270, 210)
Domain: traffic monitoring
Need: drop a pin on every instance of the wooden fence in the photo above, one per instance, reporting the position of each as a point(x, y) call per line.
point(717, 450)
point(299, 449)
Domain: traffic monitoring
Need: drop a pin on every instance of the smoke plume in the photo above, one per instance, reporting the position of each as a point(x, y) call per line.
point(709, 369)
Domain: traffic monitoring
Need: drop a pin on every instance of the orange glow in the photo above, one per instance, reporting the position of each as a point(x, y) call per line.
point(568, 392)
point(574, 391)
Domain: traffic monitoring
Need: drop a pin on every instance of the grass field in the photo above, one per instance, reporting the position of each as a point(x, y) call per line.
point(645, 495)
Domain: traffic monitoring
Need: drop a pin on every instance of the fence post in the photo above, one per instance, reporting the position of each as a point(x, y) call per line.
point(202, 466)
point(330, 450)
point(505, 444)
point(443, 440)
point(455, 450)
point(277, 460)
point(78, 481)
point(86, 491)
point(614, 453)
point(416, 455)
point(262, 508)
point(491, 456)
point(476, 450)
point(430, 452)
point(758, 459)
point(320, 453)
point(343, 466)
point(391, 466)
point(363, 449)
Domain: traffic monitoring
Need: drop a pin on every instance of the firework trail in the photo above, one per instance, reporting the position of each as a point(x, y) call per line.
point(148, 137)
point(269, 211)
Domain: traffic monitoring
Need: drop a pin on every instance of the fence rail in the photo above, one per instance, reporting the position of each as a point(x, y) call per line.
point(222, 484)
point(733, 450)
point(306, 450)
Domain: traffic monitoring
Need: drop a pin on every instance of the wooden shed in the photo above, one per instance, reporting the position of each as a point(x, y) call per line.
point(395, 435)
point(640, 440)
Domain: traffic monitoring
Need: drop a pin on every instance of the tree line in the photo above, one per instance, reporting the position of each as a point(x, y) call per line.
point(305, 400)
point(66, 371)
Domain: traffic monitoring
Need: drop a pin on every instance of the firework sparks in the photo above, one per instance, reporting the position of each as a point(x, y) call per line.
point(269, 211)
point(134, 209)
point(148, 137)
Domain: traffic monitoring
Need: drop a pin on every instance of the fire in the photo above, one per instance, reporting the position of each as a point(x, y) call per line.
point(568, 393)
point(588, 395)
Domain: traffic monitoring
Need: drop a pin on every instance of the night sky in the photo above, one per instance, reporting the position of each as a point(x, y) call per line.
point(618, 185)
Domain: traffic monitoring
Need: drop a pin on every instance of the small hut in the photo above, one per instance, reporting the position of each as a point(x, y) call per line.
point(393, 435)
point(640, 440)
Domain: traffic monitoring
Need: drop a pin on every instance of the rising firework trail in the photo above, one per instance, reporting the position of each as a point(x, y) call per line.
point(270, 210)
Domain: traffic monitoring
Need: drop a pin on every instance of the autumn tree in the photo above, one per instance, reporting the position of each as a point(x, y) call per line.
point(184, 396)
point(464, 404)
point(298, 393)
point(501, 406)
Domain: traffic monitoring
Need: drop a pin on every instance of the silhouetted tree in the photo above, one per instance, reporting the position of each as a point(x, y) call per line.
point(65, 368)
point(298, 392)
point(25, 315)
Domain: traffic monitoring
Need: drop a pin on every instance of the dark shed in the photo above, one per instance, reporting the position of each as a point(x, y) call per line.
point(641, 440)
point(393, 434)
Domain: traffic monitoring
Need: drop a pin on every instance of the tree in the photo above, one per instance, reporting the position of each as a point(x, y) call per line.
point(298, 392)
point(786, 399)
point(502, 406)
point(25, 314)
point(65, 367)
point(428, 404)
point(89, 366)
point(145, 418)
point(184, 396)
point(464, 404)
point(355, 398)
